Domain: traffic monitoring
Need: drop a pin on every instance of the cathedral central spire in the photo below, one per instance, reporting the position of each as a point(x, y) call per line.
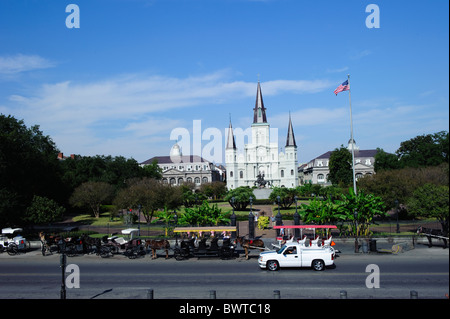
point(259, 112)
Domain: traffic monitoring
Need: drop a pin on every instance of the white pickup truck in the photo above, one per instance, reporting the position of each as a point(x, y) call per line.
point(297, 255)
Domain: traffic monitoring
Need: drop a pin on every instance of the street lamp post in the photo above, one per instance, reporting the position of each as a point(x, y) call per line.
point(296, 219)
point(396, 210)
point(278, 218)
point(63, 262)
point(175, 218)
point(355, 214)
point(233, 216)
point(139, 219)
point(251, 221)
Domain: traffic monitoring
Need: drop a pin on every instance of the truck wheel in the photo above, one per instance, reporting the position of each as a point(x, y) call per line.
point(12, 249)
point(272, 265)
point(318, 265)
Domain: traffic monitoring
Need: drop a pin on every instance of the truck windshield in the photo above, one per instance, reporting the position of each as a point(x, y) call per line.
point(279, 251)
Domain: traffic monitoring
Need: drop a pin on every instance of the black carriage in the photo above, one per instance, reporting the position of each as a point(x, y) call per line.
point(74, 246)
point(129, 246)
point(204, 248)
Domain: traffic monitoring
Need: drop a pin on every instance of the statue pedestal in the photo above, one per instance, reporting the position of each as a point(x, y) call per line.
point(262, 193)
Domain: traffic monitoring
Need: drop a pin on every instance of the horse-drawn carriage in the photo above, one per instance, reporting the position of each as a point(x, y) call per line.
point(128, 245)
point(71, 246)
point(12, 241)
point(193, 247)
point(434, 233)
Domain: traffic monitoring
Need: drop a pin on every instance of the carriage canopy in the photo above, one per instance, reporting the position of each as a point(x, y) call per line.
point(204, 229)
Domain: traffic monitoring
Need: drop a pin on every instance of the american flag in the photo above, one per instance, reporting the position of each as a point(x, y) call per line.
point(343, 87)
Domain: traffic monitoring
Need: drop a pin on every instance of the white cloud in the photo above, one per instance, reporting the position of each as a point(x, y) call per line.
point(133, 96)
point(356, 55)
point(298, 86)
point(339, 70)
point(134, 107)
point(22, 63)
point(152, 126)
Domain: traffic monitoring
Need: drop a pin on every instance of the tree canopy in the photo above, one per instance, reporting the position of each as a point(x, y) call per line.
point(341, 167)
point(424, 150)
point(28, 167)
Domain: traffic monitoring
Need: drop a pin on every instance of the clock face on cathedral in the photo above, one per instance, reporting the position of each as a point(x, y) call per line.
point(261, 151)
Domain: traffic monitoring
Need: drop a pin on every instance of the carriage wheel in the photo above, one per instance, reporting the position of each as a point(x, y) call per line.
point(71, 250)
point(12, 249)
point(226, 254)
point(105, 252)
point(140, 253)
point(130, 253)
point(178, 255)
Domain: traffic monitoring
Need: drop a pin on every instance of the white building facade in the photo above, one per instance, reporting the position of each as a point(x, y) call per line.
point(317, 170)
point(178, 169)
point(260, 156)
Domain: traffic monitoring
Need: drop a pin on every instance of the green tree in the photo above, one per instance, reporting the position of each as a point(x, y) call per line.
point(92, 195)
point(112, 170)
point(190, 196)
point(203, 215)
point(400, 184)
point(241, 196)
point(28, 167)
point(10, 205)
point(341, 167)
point(431, 201)
point(153, 170)
point(43, 210)
point(214, 190)
point(359, 210)
point(309, 189)
point(166, 217)
point(151, 194)
point(424, 150)
point(321, 212)
point(287, 196)
point(385, 161)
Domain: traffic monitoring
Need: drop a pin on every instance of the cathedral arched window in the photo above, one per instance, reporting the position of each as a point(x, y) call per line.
point(282, 173)
point(241, 174)
point(231, 173)
point(292, 172)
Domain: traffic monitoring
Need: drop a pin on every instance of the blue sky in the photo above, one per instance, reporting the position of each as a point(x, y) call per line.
point(137, 69)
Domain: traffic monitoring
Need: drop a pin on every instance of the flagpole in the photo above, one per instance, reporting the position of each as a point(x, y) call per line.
point(351, 133)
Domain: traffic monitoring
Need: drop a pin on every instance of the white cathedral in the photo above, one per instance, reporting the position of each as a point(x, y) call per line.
point(261, 156)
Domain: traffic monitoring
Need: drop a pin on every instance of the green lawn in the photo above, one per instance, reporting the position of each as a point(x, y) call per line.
point(103, 220)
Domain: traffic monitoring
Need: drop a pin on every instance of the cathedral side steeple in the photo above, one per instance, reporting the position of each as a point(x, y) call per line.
point(290, 140)
point(231, 144)
point(259, 112)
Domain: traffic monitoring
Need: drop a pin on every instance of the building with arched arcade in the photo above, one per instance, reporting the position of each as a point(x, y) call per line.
point(178, 168)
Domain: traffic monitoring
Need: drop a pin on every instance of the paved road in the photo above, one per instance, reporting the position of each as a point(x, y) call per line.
point(425, 270)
